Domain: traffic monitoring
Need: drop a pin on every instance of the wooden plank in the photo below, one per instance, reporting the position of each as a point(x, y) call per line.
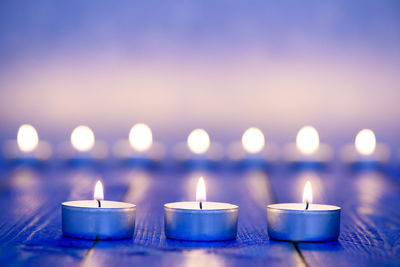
point(370, 224)
point(31, 234)
point(30, 230)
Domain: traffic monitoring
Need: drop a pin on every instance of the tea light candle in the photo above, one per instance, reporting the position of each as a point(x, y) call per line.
point(308, 148)
point(252, 150)
point(200, 220)
point(139, 147)
point(27, 146)
point(365, 150)
point(98, 218)
point(303, 221)
point(198, 149)
point(83, 146)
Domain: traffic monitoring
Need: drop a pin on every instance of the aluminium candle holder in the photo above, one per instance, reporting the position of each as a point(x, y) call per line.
point(40, 154)
point(238, 156)
point(123, 152)
point(85, 220)
point(322, 156)
point(352, 157)
point(183, 155)
point(70, 155)
point(291, 222)
point(215, 222)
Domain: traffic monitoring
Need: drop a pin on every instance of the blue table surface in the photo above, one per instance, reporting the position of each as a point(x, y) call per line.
point(30, 217)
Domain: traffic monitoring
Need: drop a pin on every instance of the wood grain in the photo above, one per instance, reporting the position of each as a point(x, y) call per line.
point(30, 221)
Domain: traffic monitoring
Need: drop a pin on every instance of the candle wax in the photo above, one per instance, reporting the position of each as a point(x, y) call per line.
point(195, 205)
point(105, 204)
point(302, 206)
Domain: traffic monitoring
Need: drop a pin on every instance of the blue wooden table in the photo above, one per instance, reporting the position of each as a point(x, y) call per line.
point(30, 217)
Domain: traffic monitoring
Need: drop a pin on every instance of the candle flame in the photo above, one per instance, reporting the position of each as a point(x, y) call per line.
point(365, 142)
point(98, 191)
point(140, 137)
point(201, 190)
point(27, 138)
point(198, 141)
point(82, 138)
point(307, 140)
point(253, 140)
point(307, 195)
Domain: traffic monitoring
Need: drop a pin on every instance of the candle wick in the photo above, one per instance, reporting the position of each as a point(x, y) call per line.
point(98, 201)
point(201, 205)
point(307, 204)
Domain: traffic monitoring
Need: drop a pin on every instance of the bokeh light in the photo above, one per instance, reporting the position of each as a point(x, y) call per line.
point(198, 141)
point(140, 137)
point(82, 138)
point(365, 142)
point(307, 140)
point(253, 140)
point(27, 138)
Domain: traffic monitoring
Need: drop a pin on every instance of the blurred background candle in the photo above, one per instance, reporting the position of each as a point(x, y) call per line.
point(205, 80)
point(82, 138)
point(253, 150)
point(198, 150)
point(308, 151)
point(27, 148)
point(366, 151)
point(83, 147)
point(198, 141)
point(139, 148)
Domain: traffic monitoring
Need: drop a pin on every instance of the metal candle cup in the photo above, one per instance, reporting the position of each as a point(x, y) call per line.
point(85, 219)
point(214, 222)
point(41, 153)
point(123, 151)
point(291, 222)
point(322, 155)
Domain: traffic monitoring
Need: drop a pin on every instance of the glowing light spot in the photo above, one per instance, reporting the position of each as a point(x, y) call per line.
point(27, 138)
point(307, 195)
point(82, 138)
point(198, 141)
point(365, 142)
point(253, 140)
point(98, 191)
point(140, 137)
point(201, 190)
point(307, 140)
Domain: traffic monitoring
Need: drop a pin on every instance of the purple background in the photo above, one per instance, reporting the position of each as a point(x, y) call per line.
point(220, 65)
